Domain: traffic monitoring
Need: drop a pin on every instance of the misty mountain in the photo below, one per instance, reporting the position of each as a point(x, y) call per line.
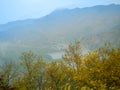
point(94, 26)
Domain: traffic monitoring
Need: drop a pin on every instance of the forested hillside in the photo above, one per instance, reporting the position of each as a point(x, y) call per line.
point(93, 26)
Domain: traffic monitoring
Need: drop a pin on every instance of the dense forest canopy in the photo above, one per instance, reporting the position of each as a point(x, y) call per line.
point(96, 70)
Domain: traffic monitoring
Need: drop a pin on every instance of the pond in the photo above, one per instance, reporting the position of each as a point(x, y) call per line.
point(56, 55)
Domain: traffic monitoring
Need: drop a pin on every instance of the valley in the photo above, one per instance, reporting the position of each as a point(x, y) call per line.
point(50, 35)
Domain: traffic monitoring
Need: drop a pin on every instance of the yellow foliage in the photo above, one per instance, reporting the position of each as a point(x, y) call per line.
point(97, 70)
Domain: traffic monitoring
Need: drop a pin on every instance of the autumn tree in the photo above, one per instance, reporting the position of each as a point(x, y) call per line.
point(8, 74)
point(73, 55)
point(32, 72)
point(56, 77)
point(73, 58)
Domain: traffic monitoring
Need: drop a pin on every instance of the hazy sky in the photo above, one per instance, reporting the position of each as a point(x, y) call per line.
point(11, 10)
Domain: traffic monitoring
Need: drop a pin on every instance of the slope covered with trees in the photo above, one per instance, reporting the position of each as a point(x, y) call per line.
point(97, 24)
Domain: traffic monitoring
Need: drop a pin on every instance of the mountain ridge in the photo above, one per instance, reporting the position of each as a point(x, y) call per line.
point(57, 10)
point(53, 32)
